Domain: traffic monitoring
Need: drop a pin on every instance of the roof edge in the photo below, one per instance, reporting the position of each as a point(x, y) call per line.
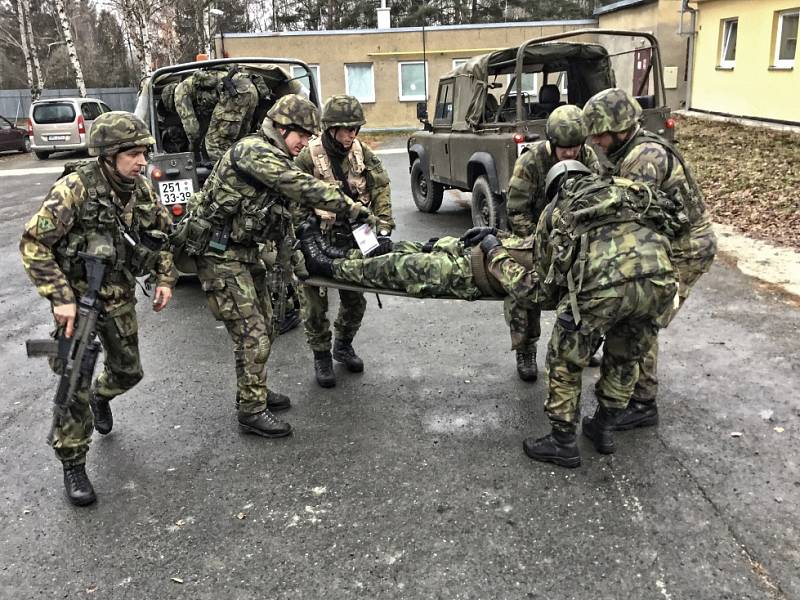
point(620, 5)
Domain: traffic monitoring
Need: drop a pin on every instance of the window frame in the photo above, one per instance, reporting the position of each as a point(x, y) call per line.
point(725, 29)
point(784, 63)
point(444, 84)
point(347, 80)
point(315, 73)
point(423, 97)
point(460, 62)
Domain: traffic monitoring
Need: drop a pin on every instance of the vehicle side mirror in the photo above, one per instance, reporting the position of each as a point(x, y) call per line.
point(422, 111)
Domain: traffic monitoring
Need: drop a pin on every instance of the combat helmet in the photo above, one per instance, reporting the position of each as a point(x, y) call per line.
point(342, 111)
point(116, 131)
point(292, 110)
point(560, 171)
point(566, 127)
point(612, 110)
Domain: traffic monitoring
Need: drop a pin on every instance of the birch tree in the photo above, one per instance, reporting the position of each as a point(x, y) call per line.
point(71, 52)
point(36, 89)
point(23, 44)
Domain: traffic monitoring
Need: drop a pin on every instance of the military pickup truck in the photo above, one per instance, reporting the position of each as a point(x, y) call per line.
point(492, 107)
point(177, 171)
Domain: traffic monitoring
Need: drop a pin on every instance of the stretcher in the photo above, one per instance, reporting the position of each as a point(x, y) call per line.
point(327, 282)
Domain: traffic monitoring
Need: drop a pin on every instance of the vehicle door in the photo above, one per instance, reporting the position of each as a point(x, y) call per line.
point(7, 135)
point(90, 111)
point(54, 123)
point(440, 151)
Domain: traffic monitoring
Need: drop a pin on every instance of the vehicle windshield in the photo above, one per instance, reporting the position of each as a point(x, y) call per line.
point(54, 112)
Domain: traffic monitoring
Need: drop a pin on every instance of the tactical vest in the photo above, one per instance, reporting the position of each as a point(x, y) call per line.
point(589, 203)
point(101, 225)
point(356, 174)
point(686, 187)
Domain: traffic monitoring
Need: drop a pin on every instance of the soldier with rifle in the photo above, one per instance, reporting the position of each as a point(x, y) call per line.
point(98, 228)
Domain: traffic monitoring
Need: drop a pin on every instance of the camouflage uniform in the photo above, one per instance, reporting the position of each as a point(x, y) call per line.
point(195, 100)
point(627, 285)
point(249, 194)
point(649, 158)
point(173, 138)
point(525, 203)
point(233, 114)
point(83, 212)
point(369, 184)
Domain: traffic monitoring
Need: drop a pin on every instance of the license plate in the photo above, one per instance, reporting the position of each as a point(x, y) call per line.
point(56, 138)
point(175, 192)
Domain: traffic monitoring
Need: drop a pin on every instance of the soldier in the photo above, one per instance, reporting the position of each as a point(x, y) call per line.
point(339, 157)
point(602, 262)
point(566, 133)
point(195, 100)
point(173, 138)
point(613, 120)
point(245, 202)
point(94, 209)
point(233, 114)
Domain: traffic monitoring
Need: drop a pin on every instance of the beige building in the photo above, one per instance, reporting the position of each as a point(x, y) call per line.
point(384, 67)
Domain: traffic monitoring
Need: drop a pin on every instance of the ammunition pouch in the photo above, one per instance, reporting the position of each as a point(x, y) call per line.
point(191, 236)
point(143, 257)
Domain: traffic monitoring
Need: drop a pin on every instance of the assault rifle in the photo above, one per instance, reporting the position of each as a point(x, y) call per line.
point(75, 357)
point(281, 278)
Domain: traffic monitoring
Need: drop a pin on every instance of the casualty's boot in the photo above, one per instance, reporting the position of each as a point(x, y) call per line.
point(526, 365)
point(343, 352)
point(101, 409)
point(317, 262)
point(291, 319)
point(77, 487)
point(559, 447)
point(263, 423)
point(639, 413)
point(276, 401)
point(330, 250)
point(323, 368)
point(600, 428)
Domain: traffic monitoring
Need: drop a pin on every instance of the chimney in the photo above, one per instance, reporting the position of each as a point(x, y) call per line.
point(384, 16)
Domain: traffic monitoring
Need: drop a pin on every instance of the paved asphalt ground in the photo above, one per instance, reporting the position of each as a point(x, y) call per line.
point(408, 481)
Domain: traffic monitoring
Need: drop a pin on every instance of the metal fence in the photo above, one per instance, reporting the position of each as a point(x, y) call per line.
point(14, 104)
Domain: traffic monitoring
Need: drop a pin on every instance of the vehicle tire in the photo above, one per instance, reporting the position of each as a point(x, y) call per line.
point(42, 155)
point(427, 194)
point(487, 207)
point(26, 145)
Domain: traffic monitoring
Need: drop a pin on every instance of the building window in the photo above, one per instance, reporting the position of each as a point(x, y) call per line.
point(530, 84)
point(727, 52)
point(359, 81)
point(412, 82)
point(299, 73)
point(457, 62)
point(786, 39)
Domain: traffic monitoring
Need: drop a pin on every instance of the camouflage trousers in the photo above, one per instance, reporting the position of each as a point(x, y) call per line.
point(122, 369)
point(688, 270)
point(314, 310)
point(524, 324)
point(237, 295)
point(445, 271)
point(627, 316)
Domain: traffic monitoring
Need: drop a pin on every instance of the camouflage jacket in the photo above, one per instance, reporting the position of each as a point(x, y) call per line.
point(73, 219)
point(610, 249)
point(195, 99)
point(252, 190)
point(525, 199)
point(648, 158)
point(365, 171)
point(232, 117)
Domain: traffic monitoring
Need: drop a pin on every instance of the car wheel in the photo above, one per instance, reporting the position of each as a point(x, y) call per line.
point(487, 207)
point(26, 145)
point(42, 155)
point(427, 194)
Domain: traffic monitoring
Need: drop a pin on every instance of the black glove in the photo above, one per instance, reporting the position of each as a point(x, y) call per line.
point(428, 247)
point(385, 246)
point(476, 234)
point(489, 243)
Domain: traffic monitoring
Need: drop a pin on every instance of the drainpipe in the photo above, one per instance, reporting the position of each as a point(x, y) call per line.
point(690, 34)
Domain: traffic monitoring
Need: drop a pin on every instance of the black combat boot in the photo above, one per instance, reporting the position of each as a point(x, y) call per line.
point(559, 447)
point(317, 262)
point(638, 414)
point(291, 319)
point(101, 409)
point(343, 352)
point(526, 365)
point(263, 423)
point(323, 368)
point(600, 428)
point(277, 402)
point(77, 486)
